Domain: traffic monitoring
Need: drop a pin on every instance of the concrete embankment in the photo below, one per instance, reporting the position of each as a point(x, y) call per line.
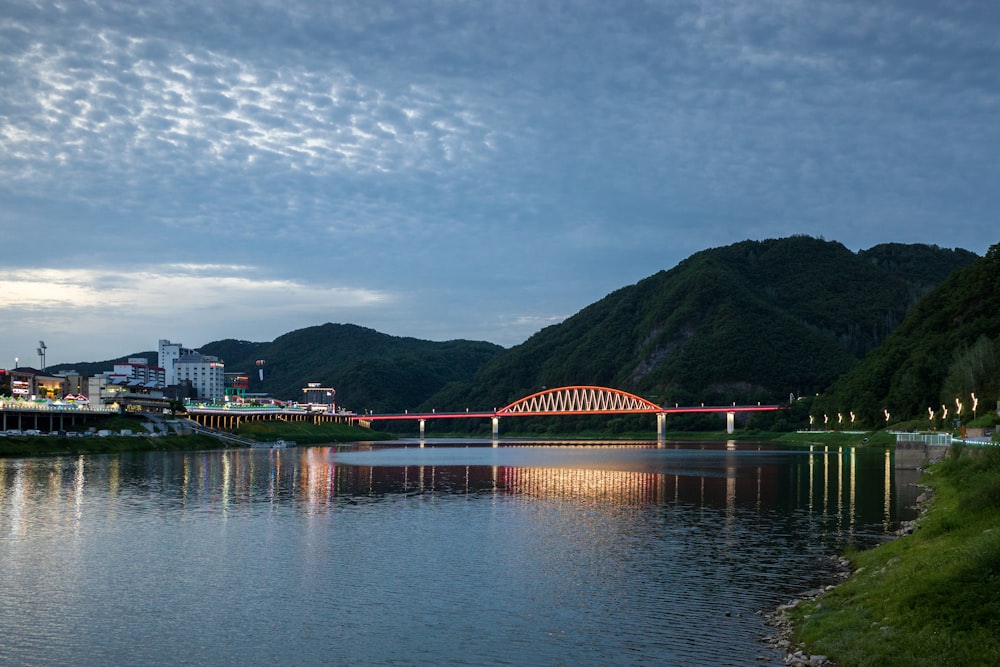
point(914, 454)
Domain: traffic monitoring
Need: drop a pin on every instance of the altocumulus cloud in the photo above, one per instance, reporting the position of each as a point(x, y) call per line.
point(479, 169)
point(103, 102)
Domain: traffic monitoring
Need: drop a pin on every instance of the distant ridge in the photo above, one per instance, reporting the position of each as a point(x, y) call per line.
point(752, 321)
point(755, 320)
point(948, 348)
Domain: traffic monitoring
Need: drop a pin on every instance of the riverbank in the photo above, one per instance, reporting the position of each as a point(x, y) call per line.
point(60, 445)
point(63, 445)
point(324, 433)
point(928, 598)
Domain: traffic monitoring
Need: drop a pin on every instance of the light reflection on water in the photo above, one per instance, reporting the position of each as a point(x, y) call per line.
point(457, 554)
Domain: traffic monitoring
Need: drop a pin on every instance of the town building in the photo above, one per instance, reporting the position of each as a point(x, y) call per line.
point(169, 354)
point(31, 383)
point(137, 371)
point(236, 387)
point(318, 398)
point(205, 373)
point(127, 395)
point(76, 383)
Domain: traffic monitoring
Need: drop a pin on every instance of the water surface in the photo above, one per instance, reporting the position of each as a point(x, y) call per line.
point(409, 555)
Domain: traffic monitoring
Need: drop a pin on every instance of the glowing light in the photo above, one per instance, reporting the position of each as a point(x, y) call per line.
point(886, 412)
point(944, 411)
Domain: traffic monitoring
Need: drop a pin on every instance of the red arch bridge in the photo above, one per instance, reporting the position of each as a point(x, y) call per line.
point(575, 400)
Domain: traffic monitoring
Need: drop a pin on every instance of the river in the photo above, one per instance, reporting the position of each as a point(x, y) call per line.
point(443, 554)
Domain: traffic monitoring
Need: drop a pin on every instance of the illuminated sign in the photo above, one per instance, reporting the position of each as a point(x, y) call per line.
point(20, 387)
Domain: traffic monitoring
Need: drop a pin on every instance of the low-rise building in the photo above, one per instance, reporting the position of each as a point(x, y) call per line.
point(31, 383)
point(139, 370)
point(319, 398)
point(128, 395)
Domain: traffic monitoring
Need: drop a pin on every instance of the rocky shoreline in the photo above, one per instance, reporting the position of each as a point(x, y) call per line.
point(778, 619)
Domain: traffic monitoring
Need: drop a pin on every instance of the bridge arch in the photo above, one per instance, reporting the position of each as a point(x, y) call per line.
point(579, 400)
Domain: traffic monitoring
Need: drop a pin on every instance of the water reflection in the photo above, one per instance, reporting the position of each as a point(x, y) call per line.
point(855, 488)
point(460, 554)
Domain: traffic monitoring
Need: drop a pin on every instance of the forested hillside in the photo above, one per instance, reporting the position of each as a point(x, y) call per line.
point(947, 348)
point(752, 321)
point(369, 370)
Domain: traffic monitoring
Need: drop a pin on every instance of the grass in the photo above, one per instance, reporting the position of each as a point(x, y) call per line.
point(838, 439)
point(301, 433)
point(304, 433)
point(927, 599)
point(52, 445)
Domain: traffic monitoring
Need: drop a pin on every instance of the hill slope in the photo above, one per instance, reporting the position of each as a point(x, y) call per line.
point(752, 321)
point(947, 348)
point(369, 370)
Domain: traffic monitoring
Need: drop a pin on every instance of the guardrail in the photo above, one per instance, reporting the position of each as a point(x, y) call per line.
point(23, 406)
point(925, 438)
point(942, 439)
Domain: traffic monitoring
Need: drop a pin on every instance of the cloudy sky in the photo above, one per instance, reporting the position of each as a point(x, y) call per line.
point(207, 169)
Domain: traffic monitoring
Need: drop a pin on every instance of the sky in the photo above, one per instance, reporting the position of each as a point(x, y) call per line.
point(445, 169)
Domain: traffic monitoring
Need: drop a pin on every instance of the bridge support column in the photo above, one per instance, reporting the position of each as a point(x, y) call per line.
point(661, 426)
point(730, 422)
point(496, 430)
point(423, 422)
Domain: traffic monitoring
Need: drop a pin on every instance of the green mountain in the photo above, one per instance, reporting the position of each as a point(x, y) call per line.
point(948, 347)
point(752, 321)
point(89, 368)
point(755, 320)
point(369, 370)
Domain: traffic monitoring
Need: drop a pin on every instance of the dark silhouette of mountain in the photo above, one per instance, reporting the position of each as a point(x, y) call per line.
point(947, 348)
point(757, 320)
point(752, 321)
point(369, 370)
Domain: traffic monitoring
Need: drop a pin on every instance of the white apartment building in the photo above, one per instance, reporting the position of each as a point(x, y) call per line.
point(205, 373)
point(137, 372)
point(170, 353)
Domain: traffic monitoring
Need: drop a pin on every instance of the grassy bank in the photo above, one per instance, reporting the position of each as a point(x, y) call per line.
point(306, 434)
point(929, 598)
point(837, 439)
point(302, 433)
point(22, 446)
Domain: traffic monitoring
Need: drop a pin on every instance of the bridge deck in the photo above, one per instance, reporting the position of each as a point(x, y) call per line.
point(482, 414)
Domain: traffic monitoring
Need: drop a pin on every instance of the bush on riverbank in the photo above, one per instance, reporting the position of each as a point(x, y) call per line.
point(930, 598)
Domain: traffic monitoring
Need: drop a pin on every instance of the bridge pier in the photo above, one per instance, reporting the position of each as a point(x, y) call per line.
point(423, 423)
point(496, 427)
point(730, 422)
point(661, 426)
